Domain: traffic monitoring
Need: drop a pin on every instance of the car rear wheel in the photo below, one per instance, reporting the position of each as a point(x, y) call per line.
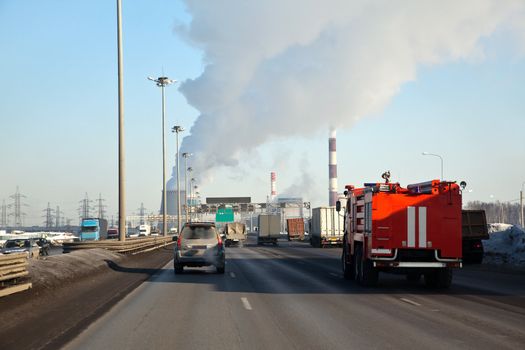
point(220, 269)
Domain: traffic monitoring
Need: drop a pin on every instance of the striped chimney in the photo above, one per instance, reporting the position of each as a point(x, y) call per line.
point(332, 169)
point(272, 181)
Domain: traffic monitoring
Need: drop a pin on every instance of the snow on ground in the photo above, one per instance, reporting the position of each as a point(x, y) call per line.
point(505, 246)
point(54, 270)
point(56, 238)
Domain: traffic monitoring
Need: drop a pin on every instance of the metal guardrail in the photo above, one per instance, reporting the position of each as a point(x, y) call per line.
point(13, 270)
point(129, 246)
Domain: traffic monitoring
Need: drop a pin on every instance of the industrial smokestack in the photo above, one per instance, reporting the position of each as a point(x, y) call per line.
point(332, 169)
point(272, 188)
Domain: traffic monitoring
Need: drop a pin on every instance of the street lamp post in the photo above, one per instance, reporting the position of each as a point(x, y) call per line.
point(194, 199)
point(521, 206)
point(162, 82)
point(177, 129)
point(188, 170)
point(186, 155)
point(436, 155)
point(121, 154)
point(191, 196)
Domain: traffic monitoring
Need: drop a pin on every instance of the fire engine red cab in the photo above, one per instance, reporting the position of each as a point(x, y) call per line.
point(414, 231)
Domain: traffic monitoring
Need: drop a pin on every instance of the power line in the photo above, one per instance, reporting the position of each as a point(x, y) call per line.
point(84, 211)
point(17, 208)
point(100, 207)
point(49, 217)
point(3, 216)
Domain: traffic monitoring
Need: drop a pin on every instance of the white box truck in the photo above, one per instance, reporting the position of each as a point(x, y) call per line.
point(327, 227)
point(269, 229)
point(144, 230)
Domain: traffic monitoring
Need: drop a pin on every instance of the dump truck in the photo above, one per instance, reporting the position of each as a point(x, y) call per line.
point(414, 231)
point(326, 227)
point(234, 234)
point(269, 228)
point(474, 229)
point(295, 229)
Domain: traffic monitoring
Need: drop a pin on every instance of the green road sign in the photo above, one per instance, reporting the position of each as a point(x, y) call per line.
point(224, 215)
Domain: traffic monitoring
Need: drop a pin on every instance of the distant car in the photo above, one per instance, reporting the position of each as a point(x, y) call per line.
point(112, 233)
point(199, 244)
point(21, 246)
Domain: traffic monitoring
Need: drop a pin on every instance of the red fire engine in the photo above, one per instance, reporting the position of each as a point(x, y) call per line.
point(414, 231)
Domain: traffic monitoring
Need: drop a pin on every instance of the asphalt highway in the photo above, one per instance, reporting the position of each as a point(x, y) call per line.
point(294, 297)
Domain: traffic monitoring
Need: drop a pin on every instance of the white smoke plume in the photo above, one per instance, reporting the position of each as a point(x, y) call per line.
point(279, 68)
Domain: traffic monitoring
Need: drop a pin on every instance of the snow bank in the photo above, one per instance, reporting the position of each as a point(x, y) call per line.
point(505, 246)
point(57, 269)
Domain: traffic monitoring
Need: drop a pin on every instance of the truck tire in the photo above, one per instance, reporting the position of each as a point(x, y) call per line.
point(441, 278)
point(347, 264)
point(368, 274)
point(178, 269)
point(477, 258)
point(413, 277)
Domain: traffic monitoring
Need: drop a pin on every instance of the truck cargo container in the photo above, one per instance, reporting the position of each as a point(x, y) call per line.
point(474, 229)
point(414, 231)
point(295, 228)
point(93, 229)
point(234, 233)
point(327, 227)
point(269, 228)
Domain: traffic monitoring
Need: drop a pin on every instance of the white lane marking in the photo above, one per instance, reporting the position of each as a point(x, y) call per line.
point(334, 274)
point(232, 274)
point(410, 302)
point(422, 227)
point(411, 227)
point(246, 303)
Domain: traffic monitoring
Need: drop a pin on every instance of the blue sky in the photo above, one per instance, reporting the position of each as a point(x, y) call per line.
point(58, 115)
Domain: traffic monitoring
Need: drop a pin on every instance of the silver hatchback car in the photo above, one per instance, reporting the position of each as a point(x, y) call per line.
point(199, 244)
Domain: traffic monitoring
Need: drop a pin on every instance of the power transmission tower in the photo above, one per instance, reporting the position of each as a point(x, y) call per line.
point(84, 211)
point(49, 217)
point(142, 213)
point(58, 217)
point(17, 208)
point(101, 207)
point(3, 217)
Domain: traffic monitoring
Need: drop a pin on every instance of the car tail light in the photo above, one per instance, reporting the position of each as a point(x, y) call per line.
point(179, 242)
point(219, 243)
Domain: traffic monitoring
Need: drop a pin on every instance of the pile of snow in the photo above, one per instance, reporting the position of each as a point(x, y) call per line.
point(506, 245)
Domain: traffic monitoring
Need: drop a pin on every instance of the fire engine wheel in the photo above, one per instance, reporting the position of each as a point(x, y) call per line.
point(367, 273)
point(348, 264)
point(413, 277)
point(441, 278)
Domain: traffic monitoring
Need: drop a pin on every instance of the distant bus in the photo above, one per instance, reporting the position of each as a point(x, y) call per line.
point(93, 229)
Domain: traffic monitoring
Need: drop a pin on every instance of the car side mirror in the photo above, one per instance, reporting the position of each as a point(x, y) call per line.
point(175, 238)
point(338, 206)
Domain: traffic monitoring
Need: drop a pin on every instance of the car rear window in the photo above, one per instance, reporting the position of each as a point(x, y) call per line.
point(198, 232)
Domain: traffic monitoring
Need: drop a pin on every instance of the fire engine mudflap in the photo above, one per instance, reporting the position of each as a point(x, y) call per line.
point(414, 231)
